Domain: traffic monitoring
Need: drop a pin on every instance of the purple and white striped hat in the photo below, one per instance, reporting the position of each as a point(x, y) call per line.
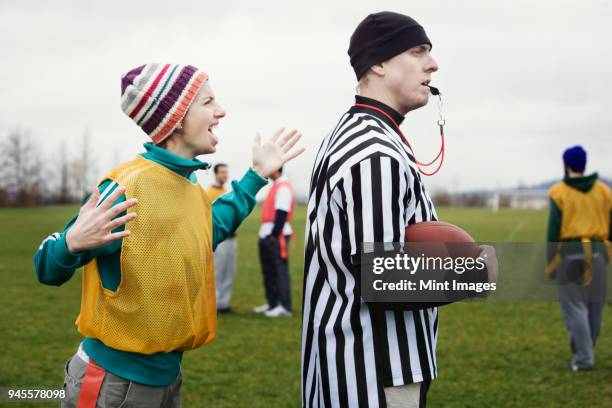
point(157, 96)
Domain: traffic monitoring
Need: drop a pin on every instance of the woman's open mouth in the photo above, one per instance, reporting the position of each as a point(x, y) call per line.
point(214, 137)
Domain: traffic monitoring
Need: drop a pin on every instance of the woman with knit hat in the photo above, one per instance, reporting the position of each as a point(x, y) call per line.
point(146, 238)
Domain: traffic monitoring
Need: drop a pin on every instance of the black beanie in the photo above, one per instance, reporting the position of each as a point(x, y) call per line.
point(381, 36)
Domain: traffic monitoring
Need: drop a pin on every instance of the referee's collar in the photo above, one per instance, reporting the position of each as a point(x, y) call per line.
point(397, 117)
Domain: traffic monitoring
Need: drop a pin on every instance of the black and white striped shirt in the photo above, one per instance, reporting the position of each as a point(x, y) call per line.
point(365, 187)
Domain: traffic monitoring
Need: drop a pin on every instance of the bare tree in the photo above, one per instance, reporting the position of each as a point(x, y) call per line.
point(442, 198)
point(86, 157)
point(5, 198)
point(63, 195)
point(21, 169)
point(83, 168)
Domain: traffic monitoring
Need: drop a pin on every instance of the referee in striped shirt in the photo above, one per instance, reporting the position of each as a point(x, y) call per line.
point(366, 187)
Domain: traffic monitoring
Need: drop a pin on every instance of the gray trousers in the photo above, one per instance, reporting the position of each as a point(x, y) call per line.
point(582, 306)
point(225, 270)
point(407, 396)
point(119, 392)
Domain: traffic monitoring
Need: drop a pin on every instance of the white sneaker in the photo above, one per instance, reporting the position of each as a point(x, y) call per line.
point(261, 309)
point(278, 311)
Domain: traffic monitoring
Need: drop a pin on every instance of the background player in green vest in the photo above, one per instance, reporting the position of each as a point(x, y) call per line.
point(148, 282)
point(579, 230)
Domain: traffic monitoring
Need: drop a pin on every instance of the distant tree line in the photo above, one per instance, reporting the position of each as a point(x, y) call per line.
point(31, 176)
point(443, 198)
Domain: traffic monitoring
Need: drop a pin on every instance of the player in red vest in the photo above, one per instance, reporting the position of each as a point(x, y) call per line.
point(274, 235)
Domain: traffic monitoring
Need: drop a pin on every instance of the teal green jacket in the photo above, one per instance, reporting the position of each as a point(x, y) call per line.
point(55, 264)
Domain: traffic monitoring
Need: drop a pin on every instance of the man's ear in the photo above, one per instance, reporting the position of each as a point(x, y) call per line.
point(378, 69)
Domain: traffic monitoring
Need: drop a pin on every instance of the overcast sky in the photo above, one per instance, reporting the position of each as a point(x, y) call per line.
point(521, 80)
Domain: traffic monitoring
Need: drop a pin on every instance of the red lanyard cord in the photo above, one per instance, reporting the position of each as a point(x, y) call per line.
point(440, 154)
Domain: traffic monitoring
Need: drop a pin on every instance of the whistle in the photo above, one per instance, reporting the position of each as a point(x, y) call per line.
point(434, 91)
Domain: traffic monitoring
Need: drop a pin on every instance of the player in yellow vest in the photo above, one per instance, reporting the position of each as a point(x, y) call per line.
point(148, 282)
point(579, 232)
point(217, 189)
point(225, 254)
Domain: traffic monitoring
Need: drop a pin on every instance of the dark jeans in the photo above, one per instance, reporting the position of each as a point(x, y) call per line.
point(275, 272)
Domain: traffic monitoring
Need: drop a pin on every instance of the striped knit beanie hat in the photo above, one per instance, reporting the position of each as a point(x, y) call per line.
point(157, 96)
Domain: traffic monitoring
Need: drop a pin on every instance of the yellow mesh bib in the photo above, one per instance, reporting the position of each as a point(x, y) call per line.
point(585, 214)
point(166, 298)
point(214, 192)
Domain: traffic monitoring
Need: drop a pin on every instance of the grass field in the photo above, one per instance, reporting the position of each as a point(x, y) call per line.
point(489, 354)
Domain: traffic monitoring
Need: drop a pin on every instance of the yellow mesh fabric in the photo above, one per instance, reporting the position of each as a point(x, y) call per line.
point(166, 298)
point(585, 215)
point(215, 192)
